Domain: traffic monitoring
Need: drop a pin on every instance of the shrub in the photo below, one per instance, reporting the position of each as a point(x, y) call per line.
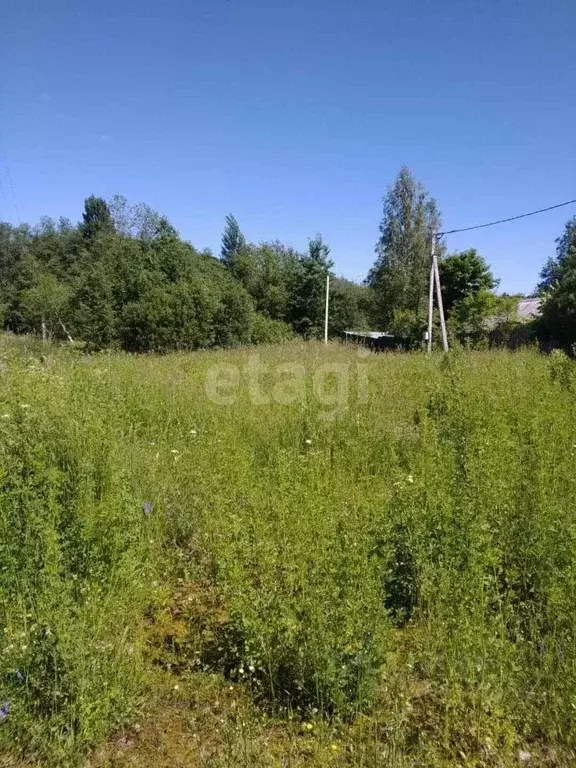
point(268, 331)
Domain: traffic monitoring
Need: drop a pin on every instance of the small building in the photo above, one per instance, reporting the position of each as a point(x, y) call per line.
point(376, 340)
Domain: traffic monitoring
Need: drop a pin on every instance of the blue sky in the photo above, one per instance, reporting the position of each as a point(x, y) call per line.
point(295, 115)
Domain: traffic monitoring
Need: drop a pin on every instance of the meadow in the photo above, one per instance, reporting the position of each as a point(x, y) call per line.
point(294, 555)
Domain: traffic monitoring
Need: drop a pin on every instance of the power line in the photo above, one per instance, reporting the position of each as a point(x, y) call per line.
point(503, 221)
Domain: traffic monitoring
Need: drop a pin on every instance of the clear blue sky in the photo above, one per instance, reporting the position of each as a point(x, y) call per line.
point(295, 115)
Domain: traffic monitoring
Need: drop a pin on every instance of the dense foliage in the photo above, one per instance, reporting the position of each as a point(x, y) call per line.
point(558, 290)
point(124, 278)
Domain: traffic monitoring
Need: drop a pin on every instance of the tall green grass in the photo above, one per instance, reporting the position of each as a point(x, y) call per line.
point(392, 537)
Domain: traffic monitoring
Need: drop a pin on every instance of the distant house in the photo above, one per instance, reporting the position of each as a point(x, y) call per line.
point(515, 329)
point(528, 309)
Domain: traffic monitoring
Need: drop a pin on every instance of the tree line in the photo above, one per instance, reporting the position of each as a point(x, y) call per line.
point(123, 277)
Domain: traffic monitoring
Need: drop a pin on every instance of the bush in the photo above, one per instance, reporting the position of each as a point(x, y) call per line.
point(268, 331)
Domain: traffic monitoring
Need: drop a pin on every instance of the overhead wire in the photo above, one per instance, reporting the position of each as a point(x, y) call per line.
point(503, 221)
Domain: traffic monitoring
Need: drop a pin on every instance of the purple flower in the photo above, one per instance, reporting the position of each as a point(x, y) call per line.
point(147, 507)
point(4, 709)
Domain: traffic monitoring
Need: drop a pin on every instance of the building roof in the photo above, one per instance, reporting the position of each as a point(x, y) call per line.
point(528, 308)
point(368, 334)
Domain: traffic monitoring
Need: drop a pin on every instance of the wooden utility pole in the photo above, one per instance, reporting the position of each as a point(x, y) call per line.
point(435, 282)
point(326, 313)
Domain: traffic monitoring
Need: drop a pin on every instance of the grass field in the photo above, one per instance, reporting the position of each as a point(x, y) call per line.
point(287, 556)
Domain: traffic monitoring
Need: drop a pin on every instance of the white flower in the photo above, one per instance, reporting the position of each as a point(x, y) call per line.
point(410, 479)
point(308, 442)
point(523, 756)
point(241, 670)
point(176, 687)
point(193, 432)
point(251, 667)
point(5, 415)
point(174, 451)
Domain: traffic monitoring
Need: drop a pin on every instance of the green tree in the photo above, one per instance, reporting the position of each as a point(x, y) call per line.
point(399, 276)
point(468, 321)
point(552, 269)
point(463, 274)
point(234, 317)
point(43, 305)
point(308, 289)
point(476, 315)
point(139, 221)
point(549, 273)
point(91, 312)
point(349, 307)
point(97, 218)
point(18, 272)
point(55, 246)
point(558, 321)
point(175, 316)
point(233, 241)
point(269, 287)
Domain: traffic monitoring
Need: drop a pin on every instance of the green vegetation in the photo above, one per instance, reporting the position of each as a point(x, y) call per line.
point(286, 555)
point(399, 277)
point(122, 278)
point(558, 290)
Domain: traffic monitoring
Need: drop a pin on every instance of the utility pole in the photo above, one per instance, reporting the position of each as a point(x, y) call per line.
point(435, 282)
point(440, 302)
point(326, 313)
point(431, 298)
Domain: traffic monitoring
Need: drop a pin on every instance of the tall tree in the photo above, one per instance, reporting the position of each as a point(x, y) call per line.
point(319, 253)
point(464, 274)
point(233, 241)
point(308, 289)
point(400, 274)
point(96, 218)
